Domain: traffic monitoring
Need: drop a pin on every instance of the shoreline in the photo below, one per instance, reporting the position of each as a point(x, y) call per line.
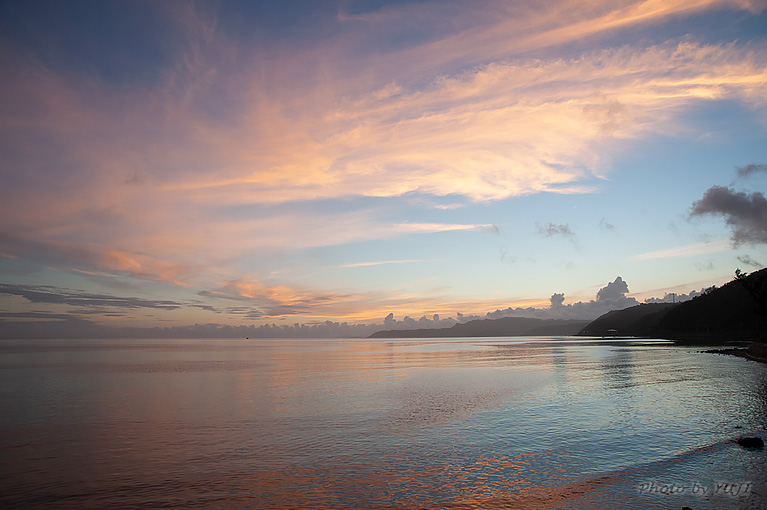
point(756, 351)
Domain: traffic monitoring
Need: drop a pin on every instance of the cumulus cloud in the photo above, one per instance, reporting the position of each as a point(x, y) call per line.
point(673, 297)
point(745, 213)
point(557, 300)
point(613, 291)
point(424, 322)
point(610, 297)
point(72, 325)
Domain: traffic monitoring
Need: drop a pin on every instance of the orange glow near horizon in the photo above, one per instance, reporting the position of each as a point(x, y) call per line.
point(235, 174)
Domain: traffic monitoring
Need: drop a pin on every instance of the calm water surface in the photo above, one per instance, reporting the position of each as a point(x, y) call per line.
point(441, 423)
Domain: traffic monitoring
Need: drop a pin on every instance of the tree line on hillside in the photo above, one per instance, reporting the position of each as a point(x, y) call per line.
point(735, 311)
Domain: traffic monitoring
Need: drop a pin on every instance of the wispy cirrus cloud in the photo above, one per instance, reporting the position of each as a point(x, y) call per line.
point(747, 260)
point(552, 230)
point(752, 168)
point(226, 152)
point(179, 257)
point(384, 262)
point(469, 134)
point(466, 135)
point(501, 29)
point(689, 250)
point(97, 259)
point(54, 295)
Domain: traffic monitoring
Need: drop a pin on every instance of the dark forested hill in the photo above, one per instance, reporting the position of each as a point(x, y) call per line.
point(640, 320)
point(737, 310)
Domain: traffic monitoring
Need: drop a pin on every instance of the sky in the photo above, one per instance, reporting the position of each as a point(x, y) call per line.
point(340, 166)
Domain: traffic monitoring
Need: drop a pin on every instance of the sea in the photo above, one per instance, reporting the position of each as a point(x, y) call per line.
point(458, 423)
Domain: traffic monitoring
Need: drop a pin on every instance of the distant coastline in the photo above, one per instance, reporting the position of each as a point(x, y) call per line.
point(734, 314)
point(507, 326)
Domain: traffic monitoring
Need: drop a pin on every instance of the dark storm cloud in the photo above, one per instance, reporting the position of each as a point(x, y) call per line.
point(55, 295)
point(744, 213)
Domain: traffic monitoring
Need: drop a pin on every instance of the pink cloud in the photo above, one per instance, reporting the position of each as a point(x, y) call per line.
point(137, 181)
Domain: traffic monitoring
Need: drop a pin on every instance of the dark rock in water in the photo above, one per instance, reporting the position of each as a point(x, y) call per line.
point(751, 442)
point(686, 508)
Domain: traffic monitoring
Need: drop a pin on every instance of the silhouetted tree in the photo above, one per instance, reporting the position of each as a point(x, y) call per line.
point(756, 285)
